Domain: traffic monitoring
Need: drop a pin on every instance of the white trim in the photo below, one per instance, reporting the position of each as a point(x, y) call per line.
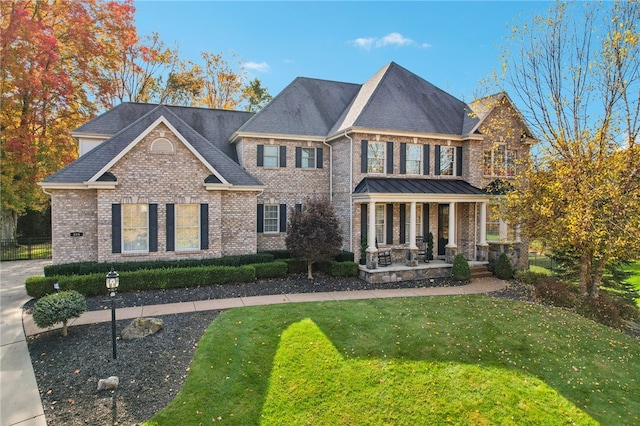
point(88, 135)
point(407, 134)
point(420, 198)
point(144, 134)
point(236, 135)
point(229, 187)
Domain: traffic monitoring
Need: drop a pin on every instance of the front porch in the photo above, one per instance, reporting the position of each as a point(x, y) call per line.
point(400, 272)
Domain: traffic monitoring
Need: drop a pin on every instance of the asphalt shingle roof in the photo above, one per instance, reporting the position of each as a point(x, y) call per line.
point(88, 165)
point(416, 186)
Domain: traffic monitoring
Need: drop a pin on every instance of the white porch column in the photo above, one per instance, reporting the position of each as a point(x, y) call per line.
point(483, 224)
point(412, 226)
point(371, 234)
point(452, 225)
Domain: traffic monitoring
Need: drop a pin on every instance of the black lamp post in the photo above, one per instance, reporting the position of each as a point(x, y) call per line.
point(113, 279)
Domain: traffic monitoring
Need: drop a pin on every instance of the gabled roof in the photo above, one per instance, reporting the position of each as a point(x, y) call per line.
point(306, 107)
point(483, 107)
point(416, 186)
point(397, 99)
point(91, 166)
point(215, 125)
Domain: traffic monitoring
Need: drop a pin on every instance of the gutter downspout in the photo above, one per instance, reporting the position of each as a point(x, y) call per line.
point(350, 191)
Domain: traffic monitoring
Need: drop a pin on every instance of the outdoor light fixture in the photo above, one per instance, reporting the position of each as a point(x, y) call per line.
point(113, 280)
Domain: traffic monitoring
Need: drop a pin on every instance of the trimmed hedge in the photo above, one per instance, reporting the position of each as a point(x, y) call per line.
point(94, 284)
point(344, 269)
point(277, 269)
point(85, 268)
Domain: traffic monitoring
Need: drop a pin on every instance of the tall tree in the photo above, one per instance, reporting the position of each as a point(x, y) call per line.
point(313, 234)
point(576, 71)
point(256, 95)
point(49, 84)
point(222, 84)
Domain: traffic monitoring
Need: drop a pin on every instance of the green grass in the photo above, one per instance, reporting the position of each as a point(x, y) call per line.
point(35, 251)
point(459, 360)
point(634, 279)
point(540, 270)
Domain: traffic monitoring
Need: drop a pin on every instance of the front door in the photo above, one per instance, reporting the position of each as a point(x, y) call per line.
point(443, 228)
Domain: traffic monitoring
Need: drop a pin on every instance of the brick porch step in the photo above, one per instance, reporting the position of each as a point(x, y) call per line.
point(480, 272)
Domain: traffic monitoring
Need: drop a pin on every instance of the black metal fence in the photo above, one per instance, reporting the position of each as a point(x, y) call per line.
point(536, 259)
point(25, 248)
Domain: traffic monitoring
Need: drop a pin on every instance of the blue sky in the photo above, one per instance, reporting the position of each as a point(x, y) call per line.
point(452, 44)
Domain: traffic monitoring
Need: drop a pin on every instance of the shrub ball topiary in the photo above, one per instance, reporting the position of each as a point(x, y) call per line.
point(58, 307)
point(460, 270)
point(503, 268)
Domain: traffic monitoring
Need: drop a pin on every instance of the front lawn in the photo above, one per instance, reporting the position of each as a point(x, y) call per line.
point(634, 279)
point(459, 360)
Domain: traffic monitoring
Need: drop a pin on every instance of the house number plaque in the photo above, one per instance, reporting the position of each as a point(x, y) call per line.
point(77, 234)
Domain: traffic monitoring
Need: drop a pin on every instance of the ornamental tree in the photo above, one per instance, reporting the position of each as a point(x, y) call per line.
point(313, 233)
point(576, 72)
point(59, 307)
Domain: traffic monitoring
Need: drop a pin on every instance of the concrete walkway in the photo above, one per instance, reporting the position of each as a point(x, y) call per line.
point(24, 407)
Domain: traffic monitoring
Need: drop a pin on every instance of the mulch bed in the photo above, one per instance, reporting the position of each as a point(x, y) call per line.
point(152, 370)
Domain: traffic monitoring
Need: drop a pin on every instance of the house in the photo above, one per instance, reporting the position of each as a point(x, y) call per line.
point(398, 157)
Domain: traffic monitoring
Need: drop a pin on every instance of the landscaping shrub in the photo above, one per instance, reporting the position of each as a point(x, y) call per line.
point(58, 307)
point(530, 278)
point(344, 269)
point(556, 293)
point(85, 268)
point(276, 269)
point(345, 256)
point(628, 311)
point(278, 254)
point(503, 269)
point(601, 310)
point(94, 284)
point(296, 266)
point(460, 270)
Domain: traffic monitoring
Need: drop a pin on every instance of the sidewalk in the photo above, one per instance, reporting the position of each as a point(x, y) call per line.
point(476, 286)
point(24, 408)
point(19, 397)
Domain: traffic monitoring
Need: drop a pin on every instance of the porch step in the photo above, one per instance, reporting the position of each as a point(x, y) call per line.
point(480, 272)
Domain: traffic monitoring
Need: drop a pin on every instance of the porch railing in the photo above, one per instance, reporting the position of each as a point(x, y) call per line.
point(25, 248)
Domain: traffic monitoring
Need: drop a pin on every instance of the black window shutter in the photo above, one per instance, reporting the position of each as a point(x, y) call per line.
point(389, 223)
point(403, 160)
point(425, 220)
point(116, 228)
point(319, 159)
point(459, 161)
point(260, 159)
point(363, 221)
point(153, 227)
point(364, 151)
point(204, 226)
point(298, 157)
point(260, 218)
point(283, 218)
point(437, 162)
point(426, 154)
point(283, 156)
point(171, 227)
point(299, 207)
point(390, 158)
point(403, 222)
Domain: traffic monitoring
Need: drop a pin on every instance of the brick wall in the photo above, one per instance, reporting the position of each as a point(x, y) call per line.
point(74, 211)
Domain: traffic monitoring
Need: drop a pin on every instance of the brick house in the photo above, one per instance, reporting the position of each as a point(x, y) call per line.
point(398, 157)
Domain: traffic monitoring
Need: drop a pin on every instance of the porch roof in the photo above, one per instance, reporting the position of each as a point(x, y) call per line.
point(414, 188)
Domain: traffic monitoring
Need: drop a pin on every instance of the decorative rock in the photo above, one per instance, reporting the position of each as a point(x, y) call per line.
point(142, 327)
point(110, 383)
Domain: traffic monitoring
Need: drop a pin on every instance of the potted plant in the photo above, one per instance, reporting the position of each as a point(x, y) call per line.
point(430, 246)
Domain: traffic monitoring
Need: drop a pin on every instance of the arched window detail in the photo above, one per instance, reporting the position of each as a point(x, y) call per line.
point(161, 146)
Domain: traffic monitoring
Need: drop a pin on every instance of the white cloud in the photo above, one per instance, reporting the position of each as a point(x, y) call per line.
point(257, 66)
point(391, 39)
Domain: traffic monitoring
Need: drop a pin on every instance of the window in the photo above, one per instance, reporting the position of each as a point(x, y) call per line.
point(308, 158)
point(493, 223)
point(135, 228)
point(375, 157)
point(447, 160)
point(161, 146)
point(271, 219)
point(271, 154)
point(499, 161)
point(380, 222)
point(407, 228)
point(187, 230)
point(414, 159)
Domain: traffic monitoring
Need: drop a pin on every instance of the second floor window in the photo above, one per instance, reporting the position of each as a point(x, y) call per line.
point(308, 158)
point(271, 154)
point(375, 157)
point(499, 161)
point(447, 160)
point(414, 159)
